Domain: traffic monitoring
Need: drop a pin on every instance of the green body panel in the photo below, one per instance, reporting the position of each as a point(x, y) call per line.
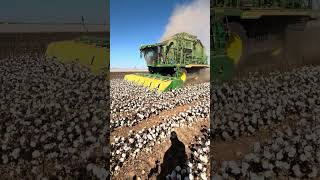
point(219, 74)
point(156, 76)
point(97, 41)
point(275, 5)
point(84, 52)
point(179, 50)
point(258, 13)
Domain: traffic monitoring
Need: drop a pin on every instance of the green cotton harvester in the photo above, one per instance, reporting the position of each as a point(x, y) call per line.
point(243, 28)
point(170, 61)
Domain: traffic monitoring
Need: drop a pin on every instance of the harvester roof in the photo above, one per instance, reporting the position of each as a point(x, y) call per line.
point(182, 35)
point(150, 46)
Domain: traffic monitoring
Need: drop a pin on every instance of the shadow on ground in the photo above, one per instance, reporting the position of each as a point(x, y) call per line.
point(174, 156)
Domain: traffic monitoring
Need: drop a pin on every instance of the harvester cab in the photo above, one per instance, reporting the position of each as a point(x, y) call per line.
point(151, 53)
point(169, 62)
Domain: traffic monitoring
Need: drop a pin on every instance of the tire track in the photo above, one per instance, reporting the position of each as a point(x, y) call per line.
point(154, 120)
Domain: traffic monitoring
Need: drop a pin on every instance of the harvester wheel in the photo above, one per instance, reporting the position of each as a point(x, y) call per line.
point(150, 70)
point(183, 76)
point(292, 46)
point(237, 45)
point(224, 66)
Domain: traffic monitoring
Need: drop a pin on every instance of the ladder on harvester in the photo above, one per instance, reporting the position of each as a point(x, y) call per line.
point(222, 66)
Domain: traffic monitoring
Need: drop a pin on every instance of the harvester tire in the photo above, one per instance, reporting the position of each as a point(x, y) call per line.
point(151, 71)
point(184, 75)
point(237, 45)
point(292, 46)
point(224, 67)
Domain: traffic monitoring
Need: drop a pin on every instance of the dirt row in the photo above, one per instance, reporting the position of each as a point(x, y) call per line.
point(145, 162)
point(151, 121)
point(236, 149)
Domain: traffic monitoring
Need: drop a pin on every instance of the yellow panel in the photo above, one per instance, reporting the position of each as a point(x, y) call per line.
point(183, 76)
point(147, 82)
point(234, 50)
point(163, 85)
point(68, 51)
point(131, 77)
point(154, 84)
point(196, 65)
point(136, 79)
point(141, 81)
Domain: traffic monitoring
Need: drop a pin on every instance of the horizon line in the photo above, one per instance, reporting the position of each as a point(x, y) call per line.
point(51, 23)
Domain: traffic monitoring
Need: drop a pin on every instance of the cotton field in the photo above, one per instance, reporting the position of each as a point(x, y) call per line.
point(277, 117)
point(156, 135)
point(53, 120)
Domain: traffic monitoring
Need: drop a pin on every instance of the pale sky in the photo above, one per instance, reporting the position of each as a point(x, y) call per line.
point(55, 11)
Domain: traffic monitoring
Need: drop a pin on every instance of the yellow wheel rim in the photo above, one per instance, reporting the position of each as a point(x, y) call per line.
point(234, 50)
point(276, 52)
point(183, 76)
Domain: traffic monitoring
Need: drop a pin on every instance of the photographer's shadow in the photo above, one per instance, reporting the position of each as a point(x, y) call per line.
point(174, 156)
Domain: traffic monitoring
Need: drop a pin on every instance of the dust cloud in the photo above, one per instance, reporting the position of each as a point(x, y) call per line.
point(193, 18)
point(201, 76)
point(304, 46)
